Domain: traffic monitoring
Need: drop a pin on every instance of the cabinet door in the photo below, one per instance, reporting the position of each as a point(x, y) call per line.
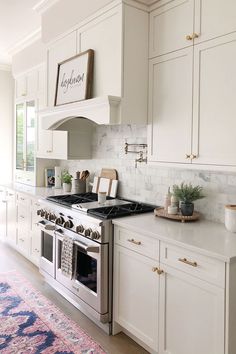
point(214, 18)
point(170, 25)
point(20, 86)
point(20, 133)
point(61, 50)
point(136, 295)
point(11, 217)
point(30, 136)
point(170, 107)
point(191, 315)
point(23, 227)
point(214, 102)
point(32, 82)
point(104, 35)
point(3, 213)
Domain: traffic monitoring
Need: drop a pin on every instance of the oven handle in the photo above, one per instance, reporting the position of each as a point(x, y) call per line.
point(46, 226)
point(94, 249)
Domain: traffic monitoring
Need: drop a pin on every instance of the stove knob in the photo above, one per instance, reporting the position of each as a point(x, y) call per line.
point(39, 212)
point(80, 229)
point(88, 232)
point(95, 235)
point(46, 215)
point(52, 217)
point(42, 213)
point(60, 220)
point(68, 224)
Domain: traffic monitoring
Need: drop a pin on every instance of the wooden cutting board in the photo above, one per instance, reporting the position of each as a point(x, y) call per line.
point(109, 173)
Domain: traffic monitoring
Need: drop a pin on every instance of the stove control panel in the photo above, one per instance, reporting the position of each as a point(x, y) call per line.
point(68, 222)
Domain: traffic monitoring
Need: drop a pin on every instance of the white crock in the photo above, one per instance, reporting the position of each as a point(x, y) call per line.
point(66, 187)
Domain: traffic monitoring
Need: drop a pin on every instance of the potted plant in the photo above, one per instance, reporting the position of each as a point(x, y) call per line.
point(66, 181)
point(187, 194)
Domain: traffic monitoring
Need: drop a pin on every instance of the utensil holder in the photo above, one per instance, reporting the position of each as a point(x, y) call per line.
point(79, 186)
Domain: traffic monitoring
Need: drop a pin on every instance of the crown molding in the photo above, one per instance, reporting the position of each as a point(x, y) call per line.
point(5, 67)
point(25, 42)
point(44, 5)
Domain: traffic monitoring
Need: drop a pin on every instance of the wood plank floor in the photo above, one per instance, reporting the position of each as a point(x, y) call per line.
point(119, 344)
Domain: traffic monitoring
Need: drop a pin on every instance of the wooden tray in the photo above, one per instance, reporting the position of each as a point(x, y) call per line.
point(179, 217)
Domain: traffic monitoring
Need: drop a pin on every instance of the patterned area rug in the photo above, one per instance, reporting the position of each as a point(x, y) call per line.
point(31, 324)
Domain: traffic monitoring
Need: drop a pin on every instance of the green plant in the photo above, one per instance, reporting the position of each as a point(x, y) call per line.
point(187, 193)
point(66, 177)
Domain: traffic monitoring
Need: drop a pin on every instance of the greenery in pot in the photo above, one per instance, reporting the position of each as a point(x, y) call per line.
point(66, 177)
point(187, 194)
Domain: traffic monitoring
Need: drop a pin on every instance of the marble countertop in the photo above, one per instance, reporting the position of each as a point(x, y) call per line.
point(40, 192)
point(206, 237)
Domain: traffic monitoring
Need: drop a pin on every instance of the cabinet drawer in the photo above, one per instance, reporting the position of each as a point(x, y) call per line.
point(11, 195)
point(144, 245)
point(23, 242)
point(23, 199)
point(203, 267)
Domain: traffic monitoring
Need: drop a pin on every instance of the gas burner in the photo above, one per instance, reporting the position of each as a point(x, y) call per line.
point(70, 199)
point(112, 212)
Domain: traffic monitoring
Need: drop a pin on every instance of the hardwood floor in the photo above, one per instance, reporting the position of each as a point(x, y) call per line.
point(119, 344)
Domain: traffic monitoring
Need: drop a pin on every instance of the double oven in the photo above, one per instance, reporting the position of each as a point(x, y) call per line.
point(90, 285)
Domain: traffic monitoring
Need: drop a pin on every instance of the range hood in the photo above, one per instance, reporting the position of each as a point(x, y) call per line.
point(100, 110)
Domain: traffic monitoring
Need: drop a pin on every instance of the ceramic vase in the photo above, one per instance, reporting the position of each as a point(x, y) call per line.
point(187, 209)
point(67, 187)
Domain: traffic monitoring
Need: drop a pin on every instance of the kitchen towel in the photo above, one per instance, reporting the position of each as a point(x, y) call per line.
point(67, 257)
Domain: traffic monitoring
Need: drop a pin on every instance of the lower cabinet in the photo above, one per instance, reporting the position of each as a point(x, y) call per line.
point(136, 307)
point(11, 217)
point(3, 213)
point(168, 309)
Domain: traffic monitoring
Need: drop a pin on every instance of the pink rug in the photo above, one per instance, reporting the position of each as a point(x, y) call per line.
point(31, 324)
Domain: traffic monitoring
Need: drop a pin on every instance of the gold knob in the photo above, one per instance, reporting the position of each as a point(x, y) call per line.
point(187, 156)
point(154, 269)
point(189, 37)
point(160, 271)
point(192, 156)
point(195, 35)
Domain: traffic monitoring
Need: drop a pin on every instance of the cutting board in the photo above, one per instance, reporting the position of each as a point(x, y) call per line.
point(107, 185)
point(109, 173)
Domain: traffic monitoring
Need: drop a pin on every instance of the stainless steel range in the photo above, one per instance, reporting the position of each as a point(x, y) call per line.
point(89, 225)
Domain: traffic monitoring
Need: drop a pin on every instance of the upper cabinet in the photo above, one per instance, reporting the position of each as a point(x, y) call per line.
point(178, 24)
point(119, 37)
point(191, 90)
point(27, 85)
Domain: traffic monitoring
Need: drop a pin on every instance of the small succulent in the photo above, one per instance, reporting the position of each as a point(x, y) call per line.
point(66, 177)
point(187, 193)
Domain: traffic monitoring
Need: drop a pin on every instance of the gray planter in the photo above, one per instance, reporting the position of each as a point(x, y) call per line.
point(187, 209)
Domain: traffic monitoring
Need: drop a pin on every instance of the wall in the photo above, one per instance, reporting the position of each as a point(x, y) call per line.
point(29, 57)
point(66, 14)
point(6, 125)
point(150, 183)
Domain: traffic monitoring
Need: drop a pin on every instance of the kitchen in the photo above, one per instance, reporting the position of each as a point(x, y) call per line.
point(160, 112)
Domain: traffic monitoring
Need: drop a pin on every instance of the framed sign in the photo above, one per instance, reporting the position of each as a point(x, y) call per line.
point(74, 78)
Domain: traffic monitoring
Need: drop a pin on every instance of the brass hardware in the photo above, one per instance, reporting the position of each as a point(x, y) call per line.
point(160, 271)
point(49, 151)
point(184, 260)
point(157, 270)
point(189, 37)
point(192, 156)
point(187, 156)
point(195, 35)
point(135, 242)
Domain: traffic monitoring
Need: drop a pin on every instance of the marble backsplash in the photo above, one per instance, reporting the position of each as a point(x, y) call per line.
point(149, 183)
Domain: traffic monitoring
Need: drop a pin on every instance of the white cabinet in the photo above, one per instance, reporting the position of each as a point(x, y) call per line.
point(168, 298)
point(136, 307)
point(214, 123)
point(3, 213)
point(178, 24)
point(169, 26)
point(11, 217)
point(35, 233)
point(191, 314)
point(28, 84)
point(170, 106)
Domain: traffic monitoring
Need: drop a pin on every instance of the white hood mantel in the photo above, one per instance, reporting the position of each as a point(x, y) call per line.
point(100, 110)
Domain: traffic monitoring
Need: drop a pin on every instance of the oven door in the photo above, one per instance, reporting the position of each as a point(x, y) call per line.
point(48, 249)
point(90, 279)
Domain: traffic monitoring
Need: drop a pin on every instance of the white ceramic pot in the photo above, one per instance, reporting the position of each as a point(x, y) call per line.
point(230, 218)
point(66, 187)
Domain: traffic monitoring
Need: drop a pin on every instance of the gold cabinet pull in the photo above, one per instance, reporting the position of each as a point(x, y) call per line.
point(189, 37)
point(184, 260)
point(157, 270)
point(187, 156)
point(195, 35)
point(132, 240)
point(192, 156)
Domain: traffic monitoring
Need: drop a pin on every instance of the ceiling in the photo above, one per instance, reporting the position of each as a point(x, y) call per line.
point(18, 20)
